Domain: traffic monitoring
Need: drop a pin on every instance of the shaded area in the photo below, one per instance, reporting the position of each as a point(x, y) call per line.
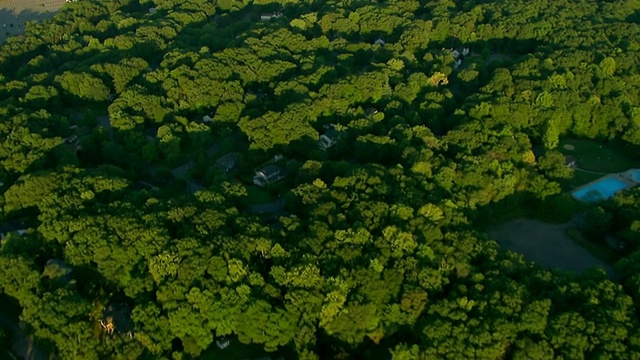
point(546, 244)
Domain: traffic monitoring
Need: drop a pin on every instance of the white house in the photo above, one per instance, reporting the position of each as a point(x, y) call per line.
point(223, 343)
point(379, 41)
point(268, 175)
point(269, 16)
point(328, 139)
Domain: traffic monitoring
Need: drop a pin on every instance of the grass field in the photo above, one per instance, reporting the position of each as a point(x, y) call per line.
point(596, 157)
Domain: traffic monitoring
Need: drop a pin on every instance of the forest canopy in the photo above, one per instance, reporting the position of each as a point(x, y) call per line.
point(313, 179)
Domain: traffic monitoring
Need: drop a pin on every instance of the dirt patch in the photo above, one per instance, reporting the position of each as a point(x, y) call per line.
point(546, 244)
point(14, 14)
point(569, 147)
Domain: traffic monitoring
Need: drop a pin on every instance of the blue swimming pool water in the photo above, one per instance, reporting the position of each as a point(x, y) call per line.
point(600, 190)
point(634, 174)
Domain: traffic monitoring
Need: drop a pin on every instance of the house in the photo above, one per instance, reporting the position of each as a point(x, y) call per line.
point(369, 112)
point(269, 16)
point(328, 139)
point(223, 343)
point(71, 140)
point(207, 119)
point(570, 161)
point(268, 175)
point(379, 41)
point(228, 161)
point(152, 10)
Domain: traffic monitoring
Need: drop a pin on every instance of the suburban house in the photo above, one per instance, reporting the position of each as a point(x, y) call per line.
point(223, 343)
point(570, 161)
point(369, 112)
point(328, 139)
point(228, 161)
point(379, 41)
point(269, 16)
point(268, 175)
point(207, 119)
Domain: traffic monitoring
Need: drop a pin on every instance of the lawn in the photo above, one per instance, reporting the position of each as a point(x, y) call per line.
point(597, 157)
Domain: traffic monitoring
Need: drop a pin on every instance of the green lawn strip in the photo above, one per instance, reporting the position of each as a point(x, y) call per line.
point(601, 251)
point(580, 178)
point(597, 156)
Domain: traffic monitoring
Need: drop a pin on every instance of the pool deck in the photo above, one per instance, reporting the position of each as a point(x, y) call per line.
point(625, 177)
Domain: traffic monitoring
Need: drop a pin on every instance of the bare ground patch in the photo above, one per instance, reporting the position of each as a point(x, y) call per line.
point(546, 244)
point(15, 13)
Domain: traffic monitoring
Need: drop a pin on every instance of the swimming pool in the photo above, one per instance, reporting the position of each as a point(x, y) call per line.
point(601, 189)
point(634, 174)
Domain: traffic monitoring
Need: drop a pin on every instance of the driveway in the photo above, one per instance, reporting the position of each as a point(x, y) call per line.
point(546, 244)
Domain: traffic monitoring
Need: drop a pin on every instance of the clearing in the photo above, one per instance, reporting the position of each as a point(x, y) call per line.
point(594, 159)
point(15, 13)
point(546, 244)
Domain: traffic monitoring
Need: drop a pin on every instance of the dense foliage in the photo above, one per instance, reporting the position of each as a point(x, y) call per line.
point(378, 250)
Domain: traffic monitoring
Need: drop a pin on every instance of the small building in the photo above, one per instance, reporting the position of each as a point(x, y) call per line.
point(152, 10)
point(72, 140)
point(228, 161)
point(269, 16)
point(207, 119)
point(328, 139)
point(570, 161)
point(223, 343)
point(369, 112)
point(379, 41)
point(268, 175)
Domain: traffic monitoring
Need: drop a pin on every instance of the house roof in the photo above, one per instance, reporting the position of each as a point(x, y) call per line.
point(370, 111)
point(270, 170)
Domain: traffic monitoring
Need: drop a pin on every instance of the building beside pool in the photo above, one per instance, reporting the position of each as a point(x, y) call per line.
point(607, 186)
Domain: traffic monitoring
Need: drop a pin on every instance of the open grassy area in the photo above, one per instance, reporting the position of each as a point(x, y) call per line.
point(596, 157)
